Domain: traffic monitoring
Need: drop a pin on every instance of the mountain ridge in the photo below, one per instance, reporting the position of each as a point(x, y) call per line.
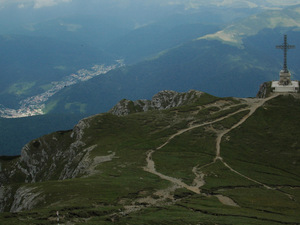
point(162, 100)
point(235, 33)
point(215, 67)
point(119, 168)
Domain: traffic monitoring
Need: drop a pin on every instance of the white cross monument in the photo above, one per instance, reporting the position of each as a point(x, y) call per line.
point(285, 84)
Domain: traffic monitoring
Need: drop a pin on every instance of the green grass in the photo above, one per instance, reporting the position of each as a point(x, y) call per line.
point(268, 144)
point(21, 88)
point(184, 152)
point(218, 177)
point(46, 87)
point(212, 209)
point(260, 148)
point(231, 121)
point(49, 106)
point(74, 105)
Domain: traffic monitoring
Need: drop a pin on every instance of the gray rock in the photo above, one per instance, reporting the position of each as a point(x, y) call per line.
point(162, 100)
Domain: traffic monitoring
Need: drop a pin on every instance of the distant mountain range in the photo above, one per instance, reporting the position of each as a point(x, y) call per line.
point(60, 47)
point(225, 51)
point(224, 68)
point(287, 18)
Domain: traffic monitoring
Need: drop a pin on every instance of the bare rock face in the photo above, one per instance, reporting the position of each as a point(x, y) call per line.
point(5, 195)
point(49, 158)
point(25, 199)
point(60, 155)
point(264, 90)
point(162, 100)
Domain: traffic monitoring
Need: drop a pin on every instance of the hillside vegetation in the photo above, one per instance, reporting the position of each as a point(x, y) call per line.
point(209, 161)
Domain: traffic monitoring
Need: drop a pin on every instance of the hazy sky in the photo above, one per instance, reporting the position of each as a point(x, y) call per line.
point(47, 3)
point(34, 3)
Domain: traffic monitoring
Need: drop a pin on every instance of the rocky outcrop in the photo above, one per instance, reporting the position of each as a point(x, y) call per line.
point(162, 100)
point(57, 156)
point(25, 198)
point(61, 155)
point(5, 196)
point(264, 90)
point(47, 158)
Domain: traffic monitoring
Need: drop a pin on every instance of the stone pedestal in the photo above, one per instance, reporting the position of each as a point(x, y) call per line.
point(292, 87)
point(284, 77)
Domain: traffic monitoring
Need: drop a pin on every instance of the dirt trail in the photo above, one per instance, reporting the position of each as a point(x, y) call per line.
point(253, 105)
point(199, 179)
point(226, 201)
point(164, 197)
point(151, 169)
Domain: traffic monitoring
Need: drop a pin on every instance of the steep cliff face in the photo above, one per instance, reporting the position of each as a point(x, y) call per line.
point(162, 100)
point(25, 198)
point(5, 196)
point(58, 156)
point(264, 90)
point(54, 156)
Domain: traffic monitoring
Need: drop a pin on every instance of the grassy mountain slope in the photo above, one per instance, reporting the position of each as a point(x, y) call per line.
point(211, 161)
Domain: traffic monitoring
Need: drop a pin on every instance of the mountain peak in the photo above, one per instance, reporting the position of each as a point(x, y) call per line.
point(162, 100)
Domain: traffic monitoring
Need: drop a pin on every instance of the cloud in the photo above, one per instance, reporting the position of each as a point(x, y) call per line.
point(45, 3)
point(21, 6)
point(32, 3)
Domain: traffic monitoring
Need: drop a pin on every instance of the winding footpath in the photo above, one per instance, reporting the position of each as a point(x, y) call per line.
point(253, 105)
